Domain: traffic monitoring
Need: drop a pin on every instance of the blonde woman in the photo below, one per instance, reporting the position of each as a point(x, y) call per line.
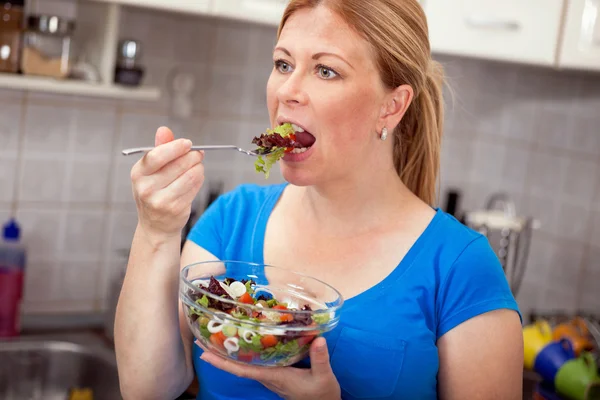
point(428, 311)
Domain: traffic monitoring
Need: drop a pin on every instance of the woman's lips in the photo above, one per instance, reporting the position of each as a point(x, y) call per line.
point(297, 157)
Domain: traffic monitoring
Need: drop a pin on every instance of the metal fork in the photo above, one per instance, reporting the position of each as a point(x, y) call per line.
point(136, 150)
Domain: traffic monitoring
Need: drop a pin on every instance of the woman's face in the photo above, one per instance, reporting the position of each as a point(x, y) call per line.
point(325, 80)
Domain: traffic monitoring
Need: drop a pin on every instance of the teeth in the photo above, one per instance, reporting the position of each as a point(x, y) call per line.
point(297, 128)
point(299, 150)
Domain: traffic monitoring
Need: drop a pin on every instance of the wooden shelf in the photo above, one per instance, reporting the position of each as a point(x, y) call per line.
point(79, 88)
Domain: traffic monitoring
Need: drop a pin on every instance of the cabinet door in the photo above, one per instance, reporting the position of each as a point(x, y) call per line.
point(260, 11)
point(524, 31)
point(581, 41)
point(184, 6)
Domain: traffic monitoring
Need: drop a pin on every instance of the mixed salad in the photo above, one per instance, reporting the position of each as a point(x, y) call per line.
point(275, 143)
point(269, 344)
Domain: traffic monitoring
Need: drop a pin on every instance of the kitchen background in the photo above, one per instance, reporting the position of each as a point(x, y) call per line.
point(514, 125)
point(529, 131)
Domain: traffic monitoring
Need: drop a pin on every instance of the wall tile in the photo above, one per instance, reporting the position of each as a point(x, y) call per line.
point(41, 281)
point(566, 265)
point(573, 222)
point(488, 162)
point(591, 276)
point(594, 238)
point(522, 121)
point(585, 134)
point(8, 172)
point(544, 208)
point(11, 95)
point(139, 129)
point(42, 230)
point(203, 33)
point(89, 181)
point(552, 128)
point(84, 235)
point(79, 280)
point(121, 180)
point(225, 98)
point(94, 131)
point(121, 229)
point(579, 182)
point(516, 164)
point(42, 180)
point(47, 128)
point(10, 123)
point(546, 171)
point(232, 44)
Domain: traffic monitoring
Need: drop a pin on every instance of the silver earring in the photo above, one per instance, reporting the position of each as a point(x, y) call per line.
point(384, 133)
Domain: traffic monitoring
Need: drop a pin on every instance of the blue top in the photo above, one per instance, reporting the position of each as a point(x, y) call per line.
point(385, 344)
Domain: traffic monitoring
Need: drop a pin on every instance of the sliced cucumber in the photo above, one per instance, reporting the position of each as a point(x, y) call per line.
point(229, 330)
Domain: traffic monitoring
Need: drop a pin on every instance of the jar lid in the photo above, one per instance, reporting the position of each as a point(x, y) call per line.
point(50, 25)
point(14, 2)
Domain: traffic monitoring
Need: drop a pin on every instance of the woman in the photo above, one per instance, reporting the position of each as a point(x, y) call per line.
point(428, 311)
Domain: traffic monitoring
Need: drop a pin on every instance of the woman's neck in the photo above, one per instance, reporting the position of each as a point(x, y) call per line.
point(358, 205)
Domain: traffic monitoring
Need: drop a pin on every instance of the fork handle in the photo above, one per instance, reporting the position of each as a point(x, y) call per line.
point(136, 150)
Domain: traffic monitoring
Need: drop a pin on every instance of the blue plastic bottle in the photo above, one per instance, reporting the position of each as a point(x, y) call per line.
point(12, 272)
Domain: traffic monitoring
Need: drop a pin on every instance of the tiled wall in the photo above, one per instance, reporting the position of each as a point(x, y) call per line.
point(531, 132)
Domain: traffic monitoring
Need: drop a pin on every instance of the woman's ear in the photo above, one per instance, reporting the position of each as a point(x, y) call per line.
point(395, 106)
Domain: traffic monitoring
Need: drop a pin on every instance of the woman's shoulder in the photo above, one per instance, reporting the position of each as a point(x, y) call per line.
point(249, 195)
point(455, 243)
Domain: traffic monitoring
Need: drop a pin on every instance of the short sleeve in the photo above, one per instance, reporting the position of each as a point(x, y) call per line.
point(475, 284)
point(207, 232)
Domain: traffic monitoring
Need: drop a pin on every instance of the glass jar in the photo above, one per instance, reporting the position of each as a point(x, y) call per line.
point(47, 46)
point(11, 30)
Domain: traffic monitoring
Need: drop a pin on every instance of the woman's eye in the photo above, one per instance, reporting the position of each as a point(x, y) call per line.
point(326, 73)
point(282, 66)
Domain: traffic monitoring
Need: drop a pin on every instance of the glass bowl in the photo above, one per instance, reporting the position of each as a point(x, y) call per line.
point(254, 313)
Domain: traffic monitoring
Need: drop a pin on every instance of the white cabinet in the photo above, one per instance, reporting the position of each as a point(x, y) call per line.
point(523, 31)
point(580, 47)
point(184, 6)
point(267, 12)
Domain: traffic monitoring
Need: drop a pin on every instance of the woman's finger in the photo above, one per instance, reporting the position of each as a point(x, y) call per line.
point(176, 168)
point(188, 180)
point(243, 371)
point(319, 358)
point(160, 156)
point(163, 135)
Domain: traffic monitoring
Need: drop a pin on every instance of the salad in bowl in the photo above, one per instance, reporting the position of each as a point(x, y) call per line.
point(256, 314)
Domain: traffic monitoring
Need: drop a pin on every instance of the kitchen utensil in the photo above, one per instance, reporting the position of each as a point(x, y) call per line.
point(509, 235)
point(577, 332)
point(128, 71)
point(552, 357)
point(535, 337)
point(135, 150)
point(575, 378)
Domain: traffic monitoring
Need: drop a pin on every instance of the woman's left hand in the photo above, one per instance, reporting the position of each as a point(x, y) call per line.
point(316, 383)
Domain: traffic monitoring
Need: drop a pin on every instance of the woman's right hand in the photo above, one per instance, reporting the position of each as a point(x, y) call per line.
point(165, 182)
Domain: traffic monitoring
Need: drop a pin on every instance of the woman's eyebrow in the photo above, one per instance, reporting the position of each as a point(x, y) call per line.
point(316, 56)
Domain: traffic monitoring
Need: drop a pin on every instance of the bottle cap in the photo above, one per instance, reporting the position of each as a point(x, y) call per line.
point(11, 231)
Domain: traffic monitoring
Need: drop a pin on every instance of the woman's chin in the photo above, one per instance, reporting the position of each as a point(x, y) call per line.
point(297, 176)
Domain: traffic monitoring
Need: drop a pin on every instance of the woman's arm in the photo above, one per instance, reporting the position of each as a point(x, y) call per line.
point(482, 358)
point(154, 361)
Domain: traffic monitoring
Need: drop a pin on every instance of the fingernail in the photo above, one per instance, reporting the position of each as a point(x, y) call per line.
point(321, 348)
point(187, 143)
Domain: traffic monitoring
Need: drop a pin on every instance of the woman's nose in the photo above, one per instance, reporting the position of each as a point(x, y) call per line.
point(292, 91)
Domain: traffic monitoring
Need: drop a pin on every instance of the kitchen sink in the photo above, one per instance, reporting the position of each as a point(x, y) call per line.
point(52, 368)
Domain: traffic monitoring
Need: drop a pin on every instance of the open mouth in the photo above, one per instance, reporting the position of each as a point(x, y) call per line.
point(303, 140)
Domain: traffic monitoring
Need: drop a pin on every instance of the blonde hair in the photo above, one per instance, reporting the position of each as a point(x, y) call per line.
point(398, 33)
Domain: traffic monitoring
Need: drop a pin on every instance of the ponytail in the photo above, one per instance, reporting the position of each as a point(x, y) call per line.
point(417, 139)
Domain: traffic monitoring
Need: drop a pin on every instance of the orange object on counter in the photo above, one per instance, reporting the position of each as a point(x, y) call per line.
point(576, 332)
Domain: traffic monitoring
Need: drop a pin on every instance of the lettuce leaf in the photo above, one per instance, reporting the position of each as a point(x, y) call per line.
point(265, 164)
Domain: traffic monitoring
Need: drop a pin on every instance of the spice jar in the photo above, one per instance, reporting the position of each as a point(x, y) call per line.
point(47, 46)
point(11, 29)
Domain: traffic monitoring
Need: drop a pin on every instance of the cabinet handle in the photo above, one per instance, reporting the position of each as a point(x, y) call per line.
point(482, 22)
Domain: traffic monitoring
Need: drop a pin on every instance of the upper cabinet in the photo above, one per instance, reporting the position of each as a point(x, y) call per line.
point(260, 11)
point(186, 6)
point(510, 30)
point(580, 47)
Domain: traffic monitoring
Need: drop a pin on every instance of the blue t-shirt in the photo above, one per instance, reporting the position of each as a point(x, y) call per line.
point(385, 344)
